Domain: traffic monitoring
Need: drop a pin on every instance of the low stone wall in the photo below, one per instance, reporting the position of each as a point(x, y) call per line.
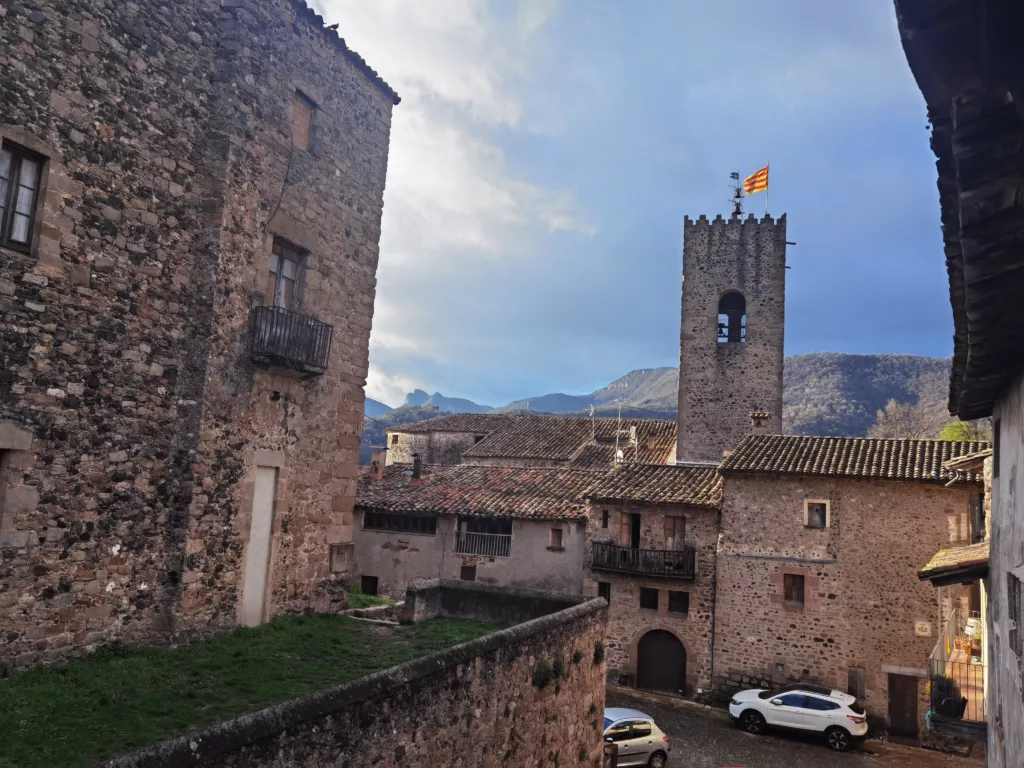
point(473, 601)
point(531, 694)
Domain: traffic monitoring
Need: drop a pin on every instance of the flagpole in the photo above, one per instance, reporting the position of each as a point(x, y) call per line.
point(769, 179)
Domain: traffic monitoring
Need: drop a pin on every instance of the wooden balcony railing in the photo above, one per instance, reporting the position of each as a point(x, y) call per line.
point(483, 544)
point(289, 340)
point(671, 563)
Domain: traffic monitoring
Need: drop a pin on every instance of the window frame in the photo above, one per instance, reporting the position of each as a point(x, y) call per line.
point(647, 592)
point(555, 538)
point(18, 155)
point(299, 98)
point(394, 439)
point(1013, 613)
point(467, 569)
point(791, 601)
point(675, 593)
point(807, 514)
point(604, 589)
point(364, 580)
point(395, 522)
point(605, 518)
point(677, 524)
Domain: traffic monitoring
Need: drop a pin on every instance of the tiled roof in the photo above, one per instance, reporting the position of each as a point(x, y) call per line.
point(971, 560)
point(311, 16)
point(852, 457)
point(664, 484)
point(602, 456)
point(476, 491)
point(970, 461)
point(563, 438)
point(456, 422)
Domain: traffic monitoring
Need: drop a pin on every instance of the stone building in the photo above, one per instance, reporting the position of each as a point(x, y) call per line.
point(821, 539)
point(966, 59)
point(516, 526)
point(652, 532)
point(187, 276)
point(533, 441)
point(730, 345)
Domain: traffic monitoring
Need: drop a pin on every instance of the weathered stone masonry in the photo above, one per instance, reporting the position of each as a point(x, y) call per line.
point(169, 168)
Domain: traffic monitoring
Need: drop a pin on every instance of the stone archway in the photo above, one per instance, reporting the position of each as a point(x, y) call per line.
point(661, 662)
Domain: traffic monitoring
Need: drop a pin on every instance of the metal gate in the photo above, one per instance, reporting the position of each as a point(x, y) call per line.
point(661, 662)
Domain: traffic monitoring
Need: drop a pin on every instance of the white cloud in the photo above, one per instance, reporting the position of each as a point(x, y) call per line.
point(389, 389)
point(450, 198)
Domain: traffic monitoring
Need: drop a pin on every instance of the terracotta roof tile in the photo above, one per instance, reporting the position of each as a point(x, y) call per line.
point(945, 562)
point(475, 491)
point(661, 484)
point(852, 457)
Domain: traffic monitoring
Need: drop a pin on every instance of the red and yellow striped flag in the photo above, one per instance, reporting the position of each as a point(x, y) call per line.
point(756, 182)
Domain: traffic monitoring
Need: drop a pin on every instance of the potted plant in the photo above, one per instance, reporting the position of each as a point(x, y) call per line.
point(946, 698)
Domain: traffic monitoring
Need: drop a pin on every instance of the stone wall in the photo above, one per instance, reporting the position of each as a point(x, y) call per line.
point(864, 608)
point(720, 384)
point(396, 559)
point(165, 133)
point(627, 621)
point(479, 703)
point(442, 448)
point(1005, 695)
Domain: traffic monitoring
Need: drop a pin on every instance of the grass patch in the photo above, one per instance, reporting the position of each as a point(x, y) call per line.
point(115, 700)
point(356, 599)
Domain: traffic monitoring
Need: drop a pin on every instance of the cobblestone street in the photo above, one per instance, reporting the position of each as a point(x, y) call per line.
point(708, 739)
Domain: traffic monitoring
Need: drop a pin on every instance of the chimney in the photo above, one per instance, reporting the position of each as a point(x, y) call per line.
point(650, 442)
point(378, 460)
point(417, 470)
point(760, 422)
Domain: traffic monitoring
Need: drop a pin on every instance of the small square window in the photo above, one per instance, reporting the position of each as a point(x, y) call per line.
point(302, 120)
point(649, 598)
point(394, 439)
point(793, 585)
point(604, 589)
point(468, 573)
point(368, 585)
point(478, 438)
point(678, 602)
point(605, 515)
point(556, 538)
point(816, 514)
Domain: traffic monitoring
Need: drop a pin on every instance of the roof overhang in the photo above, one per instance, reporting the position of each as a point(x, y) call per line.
point(969, 64)
point(957, 565)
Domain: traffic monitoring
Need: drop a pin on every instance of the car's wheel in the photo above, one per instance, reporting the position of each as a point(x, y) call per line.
point(838, 739)
point(752, 722)
point(658, 760)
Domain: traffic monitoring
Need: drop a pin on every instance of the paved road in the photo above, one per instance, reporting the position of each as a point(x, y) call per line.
point(703, 740)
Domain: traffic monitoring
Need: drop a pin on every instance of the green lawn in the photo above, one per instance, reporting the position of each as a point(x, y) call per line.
point(115, 700)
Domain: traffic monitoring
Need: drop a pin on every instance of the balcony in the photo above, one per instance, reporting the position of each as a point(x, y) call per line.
point(483, 544)
point(957, 680)
point(288, 342)
point(669, 563)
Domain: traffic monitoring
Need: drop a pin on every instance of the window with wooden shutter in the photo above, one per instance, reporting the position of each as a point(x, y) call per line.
point(283, 277)
point(675, 532)
point(20, 176)
point(625, 530)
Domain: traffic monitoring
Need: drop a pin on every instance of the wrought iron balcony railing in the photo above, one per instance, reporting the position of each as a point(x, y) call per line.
point(672, 563)
point(289, 340)
point(957, 680)
point(483, 544)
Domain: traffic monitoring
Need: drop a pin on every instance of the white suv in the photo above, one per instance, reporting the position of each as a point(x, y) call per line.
point(802, 707)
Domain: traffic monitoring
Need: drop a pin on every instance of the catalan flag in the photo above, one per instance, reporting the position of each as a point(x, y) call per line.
point(756, 182)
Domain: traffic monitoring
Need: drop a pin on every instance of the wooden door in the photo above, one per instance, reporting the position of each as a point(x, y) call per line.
point(661, 662)
point(903, 706)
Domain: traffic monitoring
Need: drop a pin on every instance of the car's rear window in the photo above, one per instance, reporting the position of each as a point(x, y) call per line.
point(857, 707)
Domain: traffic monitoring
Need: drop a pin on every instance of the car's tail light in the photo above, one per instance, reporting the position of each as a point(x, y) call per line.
point(857, 720)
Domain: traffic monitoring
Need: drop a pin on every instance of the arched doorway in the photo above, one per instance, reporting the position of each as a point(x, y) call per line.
point(661, 662)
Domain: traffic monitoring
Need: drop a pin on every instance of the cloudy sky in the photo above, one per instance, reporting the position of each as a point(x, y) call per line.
point(545, 153)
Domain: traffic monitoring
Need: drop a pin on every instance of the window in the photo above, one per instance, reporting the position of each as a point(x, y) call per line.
point(732, 318)
point(478, 438)
point(394, 439)
point(641, 728)
point(793, 589)
point(283, 278)
point(855, 683)
point(978, 516)
point(604, 589)
point(468, 573)
point(995, 447)
point(302, 120)
point(649, 598)
point(675, 532)
point(792, 700)
point(555, 542)
point(819, 705)
point(780, 670)
point(368, 585)
point(1013, 613)
point(381, 521)
point(604, 518)
point(472, 525)
point(678, 602)
point(20, 173)
point(816, 513)
point(618, 732)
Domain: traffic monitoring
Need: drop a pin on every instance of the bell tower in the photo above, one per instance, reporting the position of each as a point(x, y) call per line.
point(731, 340)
